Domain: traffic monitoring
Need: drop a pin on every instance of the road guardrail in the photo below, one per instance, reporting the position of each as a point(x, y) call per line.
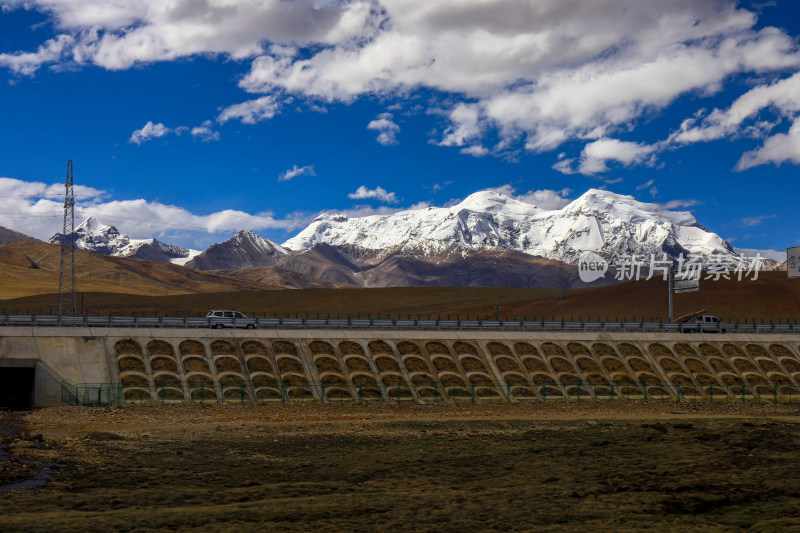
point(387, 324)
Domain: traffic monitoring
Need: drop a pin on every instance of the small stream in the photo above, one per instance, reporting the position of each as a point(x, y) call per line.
point(11, 424)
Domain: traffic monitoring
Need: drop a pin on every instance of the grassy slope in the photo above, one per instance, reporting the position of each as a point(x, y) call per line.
point(772, 296)
point(30, 268)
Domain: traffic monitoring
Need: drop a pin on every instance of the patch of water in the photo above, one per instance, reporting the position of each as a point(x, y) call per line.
point(10, 430)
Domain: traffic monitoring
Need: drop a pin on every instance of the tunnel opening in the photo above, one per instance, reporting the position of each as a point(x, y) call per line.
point(17, 387)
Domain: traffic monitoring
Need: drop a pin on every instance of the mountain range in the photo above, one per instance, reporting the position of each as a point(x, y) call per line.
point(94, 236)
point(599, 221)
point(488, 239)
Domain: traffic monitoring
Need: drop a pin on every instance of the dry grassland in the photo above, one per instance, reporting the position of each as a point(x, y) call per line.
point(617, 466)
point(773, 296)
point(31, 268)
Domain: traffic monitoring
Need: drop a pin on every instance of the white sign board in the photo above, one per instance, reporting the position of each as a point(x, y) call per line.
point(793, 262)
point(686, 285)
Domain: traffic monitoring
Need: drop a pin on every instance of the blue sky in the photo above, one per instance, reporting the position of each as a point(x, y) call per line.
point(188, 120)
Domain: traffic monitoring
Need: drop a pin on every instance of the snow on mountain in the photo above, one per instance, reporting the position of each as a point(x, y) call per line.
point(600, 221)
point(244, 250)
point(183, 260)
point(94, 236)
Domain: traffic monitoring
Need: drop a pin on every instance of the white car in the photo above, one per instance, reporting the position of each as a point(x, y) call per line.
point(229, 319)
point(703, 324)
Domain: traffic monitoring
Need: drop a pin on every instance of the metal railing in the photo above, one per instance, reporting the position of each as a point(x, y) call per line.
point(267, 392)
point(108, 321)
point(91, 394)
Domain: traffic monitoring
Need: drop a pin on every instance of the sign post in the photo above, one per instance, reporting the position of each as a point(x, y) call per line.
point(669, 290)
point(793, 262)
point(686, 285)
point(681, 285)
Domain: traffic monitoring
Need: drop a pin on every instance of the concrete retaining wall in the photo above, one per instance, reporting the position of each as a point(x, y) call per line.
point(176, 365)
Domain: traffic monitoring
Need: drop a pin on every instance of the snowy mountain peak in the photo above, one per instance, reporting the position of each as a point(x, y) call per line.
point(94, 236)
point(600, 221)
point(627, 207)
point(92, 226)
point(496, 202)
point(329, 216)
point(247, 237)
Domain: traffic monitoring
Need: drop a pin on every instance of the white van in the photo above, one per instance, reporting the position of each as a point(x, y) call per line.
point(229, 319)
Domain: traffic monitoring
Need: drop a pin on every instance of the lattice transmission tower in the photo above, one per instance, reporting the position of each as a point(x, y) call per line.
point(67, 302)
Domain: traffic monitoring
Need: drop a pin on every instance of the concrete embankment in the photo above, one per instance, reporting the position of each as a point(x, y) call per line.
point(261, 366)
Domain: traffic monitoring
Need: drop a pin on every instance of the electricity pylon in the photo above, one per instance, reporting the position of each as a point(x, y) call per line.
point(68, 302)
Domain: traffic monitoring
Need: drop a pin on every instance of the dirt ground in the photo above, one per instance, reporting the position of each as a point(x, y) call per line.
point(614, 466)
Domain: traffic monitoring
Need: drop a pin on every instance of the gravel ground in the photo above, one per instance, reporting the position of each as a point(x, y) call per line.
point(188, 421)
point(620, 466)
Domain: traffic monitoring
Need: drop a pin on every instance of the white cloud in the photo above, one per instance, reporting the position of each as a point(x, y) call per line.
point(564, 165)
point(436, 187)
point(204, 132)
point(777, 149)
point(151, 131)
point(547, 198)
point(674, 204)
point(27, 63)
point(359, 211)
point(295, 171)
point(475, 150)
point(36, 208)
point(387, 128)
point(545, 71)
point(783, 95)
point(378, 193)
point(755, 221)
point(148, 132)
point(597, 153)
point(544, 198)
point(536, 73)
point(465, 125)
point(649, 186)
point(118, 35)
point(252, 111)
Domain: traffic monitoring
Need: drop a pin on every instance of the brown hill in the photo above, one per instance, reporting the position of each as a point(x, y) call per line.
point(9, 235)
point(279, 278)
point(325, 262)
point(477, 269)
point(486, 268)
point(33, 268)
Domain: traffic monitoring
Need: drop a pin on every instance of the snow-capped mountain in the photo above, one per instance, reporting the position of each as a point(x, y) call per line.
point(94, 236)
point(599, 221)
point(243, 250)
point(488, 239)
